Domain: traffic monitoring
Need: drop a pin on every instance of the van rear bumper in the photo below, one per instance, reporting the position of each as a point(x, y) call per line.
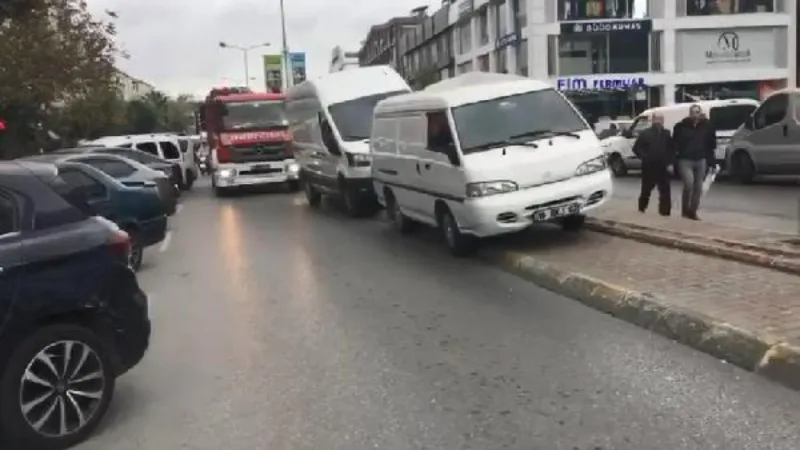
point(512, 212)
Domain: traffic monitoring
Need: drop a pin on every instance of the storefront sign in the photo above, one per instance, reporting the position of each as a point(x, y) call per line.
point(734, 48)
point(465, 8)
point(599, 84)
point(607, 26)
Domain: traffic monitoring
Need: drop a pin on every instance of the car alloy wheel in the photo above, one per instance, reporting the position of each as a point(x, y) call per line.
point(62, 388)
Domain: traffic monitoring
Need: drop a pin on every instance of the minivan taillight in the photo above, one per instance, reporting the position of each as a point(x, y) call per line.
point(223, 154)
point(120, 244)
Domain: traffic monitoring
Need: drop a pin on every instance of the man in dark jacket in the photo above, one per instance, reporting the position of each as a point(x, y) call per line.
point(695, 141)
point(654, 148)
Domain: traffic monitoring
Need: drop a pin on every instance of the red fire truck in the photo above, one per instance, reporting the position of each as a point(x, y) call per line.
point(249, 139)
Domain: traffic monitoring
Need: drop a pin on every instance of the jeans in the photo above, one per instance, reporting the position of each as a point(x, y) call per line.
point(692, 173)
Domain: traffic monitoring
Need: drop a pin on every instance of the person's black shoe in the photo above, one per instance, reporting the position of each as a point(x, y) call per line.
point(692, 216)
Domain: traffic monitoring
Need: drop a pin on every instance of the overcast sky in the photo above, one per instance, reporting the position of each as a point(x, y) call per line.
point(174, 43)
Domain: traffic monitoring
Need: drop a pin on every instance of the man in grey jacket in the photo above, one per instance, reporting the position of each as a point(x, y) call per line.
point(695, 140)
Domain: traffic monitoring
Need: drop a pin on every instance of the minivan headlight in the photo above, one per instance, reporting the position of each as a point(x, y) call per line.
point(358, 159)
point(591, 166)
point(487, 188)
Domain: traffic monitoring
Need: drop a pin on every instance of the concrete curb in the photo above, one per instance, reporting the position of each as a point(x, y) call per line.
point(770, 357)
point(771, 258)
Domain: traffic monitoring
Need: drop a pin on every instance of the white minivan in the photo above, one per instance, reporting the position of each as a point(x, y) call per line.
point(726, 116)
point(484, 154)
point(331, 119)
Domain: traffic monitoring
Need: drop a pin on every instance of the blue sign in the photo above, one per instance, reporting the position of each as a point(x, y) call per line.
point(297, 61)
point(510, 38)
point(599, 84)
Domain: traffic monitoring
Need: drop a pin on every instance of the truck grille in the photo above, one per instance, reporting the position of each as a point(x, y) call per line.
point(272, 151)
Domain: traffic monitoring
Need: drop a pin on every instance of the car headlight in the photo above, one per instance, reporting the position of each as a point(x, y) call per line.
point(358, 159)
point(227, 173)
point(487, 188)
point(293, 168)
point(592, 166)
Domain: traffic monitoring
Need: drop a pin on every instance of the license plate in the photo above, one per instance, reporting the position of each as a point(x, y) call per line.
point(554, 212)
point(262, 167)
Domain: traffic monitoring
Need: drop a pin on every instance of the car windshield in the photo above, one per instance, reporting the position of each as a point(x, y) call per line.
point(730, 117)
point(521, 116)
point(252, 115)
point(353, 118)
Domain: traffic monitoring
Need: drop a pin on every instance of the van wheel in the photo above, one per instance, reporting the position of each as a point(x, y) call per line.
point(742, 168)
point(56, 388)
point(354, 203)
point(400, 222)
point(573, 223)
point(189, 177)
point(617, 165)
point(313, 197)
point(459, 244)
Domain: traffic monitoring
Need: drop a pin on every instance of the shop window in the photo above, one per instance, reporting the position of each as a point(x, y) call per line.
point(656, 38)
point(521, 14)
point(483, 27)
point(601, 9)
point(718, 7)
point(552, 55)
point(603, 53)
point(483, 63)
point(500, 20)
point(464, 38)
point(501, 60)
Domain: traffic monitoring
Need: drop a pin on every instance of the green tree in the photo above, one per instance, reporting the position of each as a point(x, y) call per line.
point(180, 113)
point(52, 53)
point(141, 117)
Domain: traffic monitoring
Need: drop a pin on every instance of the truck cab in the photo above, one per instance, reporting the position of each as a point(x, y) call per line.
point(250, 142)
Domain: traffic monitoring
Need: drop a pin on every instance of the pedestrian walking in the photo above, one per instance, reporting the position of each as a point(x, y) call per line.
point(695, 140)
point(654, 147)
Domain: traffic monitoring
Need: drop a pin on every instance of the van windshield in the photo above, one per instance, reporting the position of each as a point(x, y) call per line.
point(353, 118)
point(499, 119)
point(730, 117)
point(253, 115)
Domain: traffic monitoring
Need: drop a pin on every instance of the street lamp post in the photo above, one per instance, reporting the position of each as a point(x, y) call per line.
point(288, 81)
point(245, 51)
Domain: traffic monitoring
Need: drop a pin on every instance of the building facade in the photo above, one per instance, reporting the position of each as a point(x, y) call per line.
point(380, 46)
point(427, 49)
point(342, 60)
point(617, 57)
point(132, 88)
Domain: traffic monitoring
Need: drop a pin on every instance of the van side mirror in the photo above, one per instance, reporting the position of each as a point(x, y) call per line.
point(750, 123)
point(328, 138)
point(627, 133)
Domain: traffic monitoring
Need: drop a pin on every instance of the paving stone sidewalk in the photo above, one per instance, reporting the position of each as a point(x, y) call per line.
point(745, 314)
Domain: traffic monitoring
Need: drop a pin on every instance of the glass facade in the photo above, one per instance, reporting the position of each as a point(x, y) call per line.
point(601, 9)
point(715, 7)
point(601, 53)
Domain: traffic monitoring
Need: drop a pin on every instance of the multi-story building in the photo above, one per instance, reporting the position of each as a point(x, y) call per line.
point(342, 60)
point(427, 49)
point(380, 46)
point(132, 88)
point(616, 57)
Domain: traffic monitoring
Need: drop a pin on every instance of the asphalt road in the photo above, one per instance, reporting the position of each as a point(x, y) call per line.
point(278, 327)
point(779, 199)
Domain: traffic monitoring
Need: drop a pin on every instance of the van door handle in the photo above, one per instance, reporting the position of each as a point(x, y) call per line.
point(785, 130)
point(418, 171)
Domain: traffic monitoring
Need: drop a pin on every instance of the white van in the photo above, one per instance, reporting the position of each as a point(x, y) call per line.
point(725, 115)
point(169, 146)
point(484, 154)
point(331, 120)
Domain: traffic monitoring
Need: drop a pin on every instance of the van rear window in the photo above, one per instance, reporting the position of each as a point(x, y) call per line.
point(729, 117)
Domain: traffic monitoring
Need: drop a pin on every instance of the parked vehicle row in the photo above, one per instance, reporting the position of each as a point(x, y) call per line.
point(72, 315)
point(476, 156)
point(753, 138)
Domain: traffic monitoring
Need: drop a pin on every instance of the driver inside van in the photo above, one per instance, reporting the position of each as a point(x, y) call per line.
point(439, 135)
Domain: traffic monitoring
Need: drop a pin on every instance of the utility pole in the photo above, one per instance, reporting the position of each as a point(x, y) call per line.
point(287, 63)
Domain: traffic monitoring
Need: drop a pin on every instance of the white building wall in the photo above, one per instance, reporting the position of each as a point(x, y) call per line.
point(542, 23)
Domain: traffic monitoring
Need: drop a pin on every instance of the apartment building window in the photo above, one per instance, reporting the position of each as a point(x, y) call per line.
point(717, 7)
point(483, 26)
point(599, 53)
point(521, 14)
point(601, 9)
point(552, 55)
point(522, 58)
point(500, 22)
point(656, 38)
point(501, 60)
point(483, 63)
point(464, 38)
point(465, 67)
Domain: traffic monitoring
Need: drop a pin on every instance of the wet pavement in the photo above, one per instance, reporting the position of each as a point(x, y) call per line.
point(279, 327)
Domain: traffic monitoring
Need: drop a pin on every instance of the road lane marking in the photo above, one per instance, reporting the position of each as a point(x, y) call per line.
point(165, 242)
point(179, 208)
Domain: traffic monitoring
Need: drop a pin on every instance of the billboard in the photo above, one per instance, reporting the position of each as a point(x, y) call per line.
point(273, 73)
point(298, 65)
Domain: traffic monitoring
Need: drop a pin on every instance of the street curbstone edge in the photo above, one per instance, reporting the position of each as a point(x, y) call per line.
point(765, 355)
point(744, 253)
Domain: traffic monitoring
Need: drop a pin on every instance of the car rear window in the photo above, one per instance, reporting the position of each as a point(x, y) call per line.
point(729, 117)
point(111, 167)
point(148, 147)
point(8, 215)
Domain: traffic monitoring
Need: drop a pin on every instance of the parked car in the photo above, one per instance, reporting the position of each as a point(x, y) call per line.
point(126, 171)
point(72, 315)
point(768, 143)
point(167, 146)
point(169, 168)
point(134, 205)
point(500, 173)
